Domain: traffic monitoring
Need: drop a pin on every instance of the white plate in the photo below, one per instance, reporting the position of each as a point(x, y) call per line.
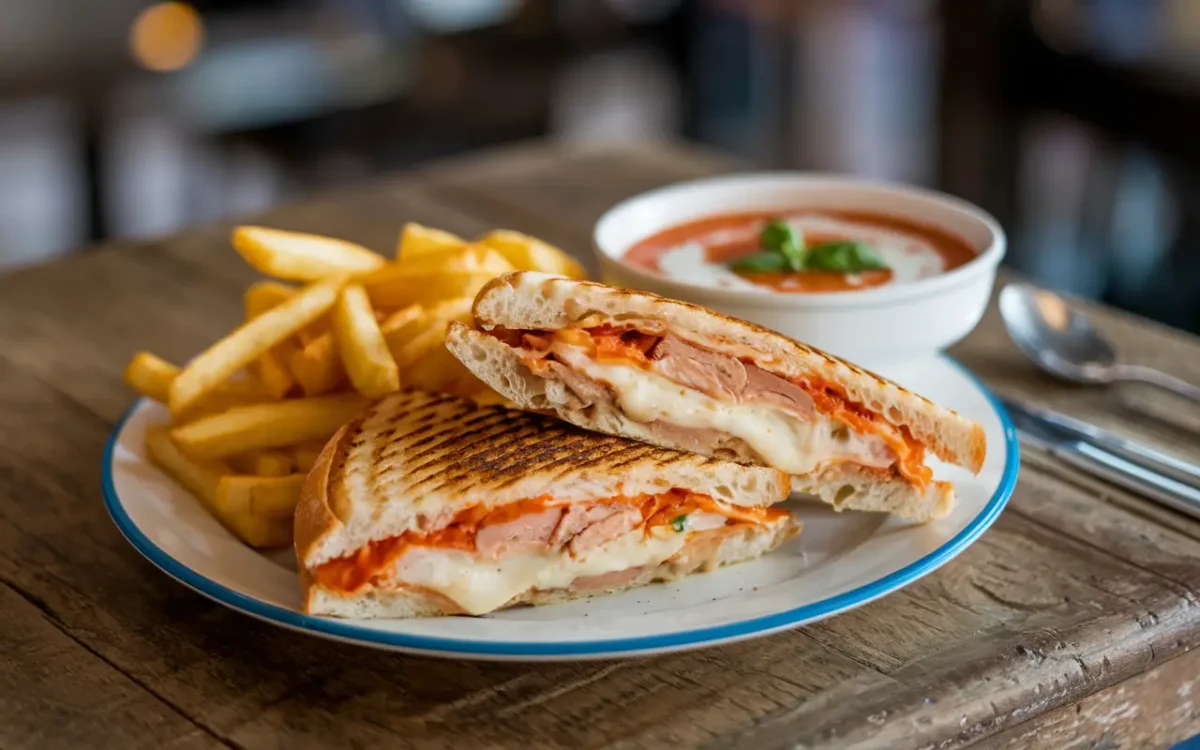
point(840, 560)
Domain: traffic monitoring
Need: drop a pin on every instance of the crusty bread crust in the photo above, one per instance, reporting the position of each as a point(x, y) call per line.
point(315, 520)
point(844, 486)
point(528, 300)
point(706, 553)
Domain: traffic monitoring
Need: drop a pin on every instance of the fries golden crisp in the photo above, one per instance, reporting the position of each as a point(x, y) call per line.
point(491, 260)
point(204, 480)
point(266, 497)
point(270, 425)
point(260, 532)
point(454, 309)
point(271, 368)
point(150, 376)
point(425, 288)
point(401, 326)
point(364, 352)
point(305, 455)
point(416, 240)
point(422, 345)
point(439, 370)
point(318, 365)
point(198, 476)
point(251, 414)
point(251, 341)
point(263, 295)
point(531, 254)
point(272, 371)
point(265, 463)
point(301, 257)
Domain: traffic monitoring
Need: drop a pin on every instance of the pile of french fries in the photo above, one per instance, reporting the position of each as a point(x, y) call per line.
point(250, 415)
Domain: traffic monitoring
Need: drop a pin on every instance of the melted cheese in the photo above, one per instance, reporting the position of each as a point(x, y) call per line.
point(781, 438)
point(480, 586)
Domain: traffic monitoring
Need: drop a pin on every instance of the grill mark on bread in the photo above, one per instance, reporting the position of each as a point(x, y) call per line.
point(467, 463)
point(516, 457)
point(462, 447)
point(453, 435)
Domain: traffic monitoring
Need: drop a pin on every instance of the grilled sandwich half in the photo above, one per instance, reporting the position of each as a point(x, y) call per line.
point(434, 505)
point(680, 376)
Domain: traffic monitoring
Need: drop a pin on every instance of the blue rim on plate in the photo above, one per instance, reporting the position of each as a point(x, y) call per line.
point(344, 630)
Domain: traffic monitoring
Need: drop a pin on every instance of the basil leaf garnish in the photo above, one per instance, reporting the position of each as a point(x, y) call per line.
point(844, 257)
point(778, 236)
point(765, 261)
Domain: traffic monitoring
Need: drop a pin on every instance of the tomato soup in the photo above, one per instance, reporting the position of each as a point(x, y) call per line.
point(699, 251)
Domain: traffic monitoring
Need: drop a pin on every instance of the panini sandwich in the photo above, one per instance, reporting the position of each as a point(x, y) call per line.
point(435, 505)
point(680, 376)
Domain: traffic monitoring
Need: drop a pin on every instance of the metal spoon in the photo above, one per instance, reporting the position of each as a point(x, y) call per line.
point(1063, 342)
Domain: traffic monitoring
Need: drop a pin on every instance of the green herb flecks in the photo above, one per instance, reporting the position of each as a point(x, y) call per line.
point(782, 249)
point(765, 261)
point(844, 257)
point(679, 523)
point(780, 238)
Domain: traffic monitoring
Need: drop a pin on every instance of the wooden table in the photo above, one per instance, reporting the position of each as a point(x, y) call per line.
point(1071, 623)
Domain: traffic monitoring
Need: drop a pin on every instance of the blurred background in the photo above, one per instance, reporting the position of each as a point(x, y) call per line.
point(1075, 122)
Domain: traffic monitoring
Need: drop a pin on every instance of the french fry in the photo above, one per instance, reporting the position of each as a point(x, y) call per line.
point(440, 371)
point(251, 341)
point(417, 240)
point(401, 326)
point(264, 463)
point(305, 455)
point(313, 332)
point(531, 254)
point(261, 532)
point(453, 309)
point(301, 257)
point(364, 352)
point(272, 371)
point(461, 259)
point(271, 368)
point(203, 478)
point(150, 376)
point(269, 425)
point(263, 496)
point(198, 476)
point(430, 339)
point(491, 260)
point(263, 295)
point(317, 366)
point(269, 462)
point(402, 288)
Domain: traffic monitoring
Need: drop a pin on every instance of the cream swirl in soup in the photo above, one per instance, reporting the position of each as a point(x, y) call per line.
point(700, 252)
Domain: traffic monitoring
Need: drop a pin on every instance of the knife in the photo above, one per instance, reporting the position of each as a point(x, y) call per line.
point(1070, 428)
point(1135, 467)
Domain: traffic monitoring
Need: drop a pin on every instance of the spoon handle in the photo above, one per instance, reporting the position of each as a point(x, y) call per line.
point(1160, 379)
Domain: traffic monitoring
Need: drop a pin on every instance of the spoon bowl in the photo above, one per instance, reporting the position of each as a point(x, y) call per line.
point(1063, 342)
point(1058, 338)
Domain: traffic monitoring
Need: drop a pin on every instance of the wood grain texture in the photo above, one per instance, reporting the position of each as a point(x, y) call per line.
point(1156, 709)
point(1079, 603)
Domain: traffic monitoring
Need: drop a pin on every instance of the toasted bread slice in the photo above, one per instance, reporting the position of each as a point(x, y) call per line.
point(844, 486)
point(534, 301)
point(415, 461)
